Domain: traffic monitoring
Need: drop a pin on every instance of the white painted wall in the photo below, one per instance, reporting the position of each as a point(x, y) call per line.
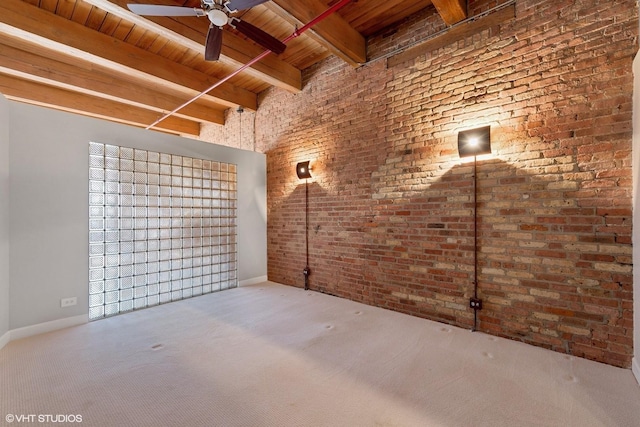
point(4, 217)
point(636, 217)
point(49, 206)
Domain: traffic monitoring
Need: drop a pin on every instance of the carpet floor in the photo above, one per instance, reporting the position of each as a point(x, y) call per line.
point(273, 355)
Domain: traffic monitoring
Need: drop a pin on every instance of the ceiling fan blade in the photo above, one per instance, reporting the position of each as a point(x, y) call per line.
point(234, 5)
point(213, 45)
point(257, 35)
point(157, 10)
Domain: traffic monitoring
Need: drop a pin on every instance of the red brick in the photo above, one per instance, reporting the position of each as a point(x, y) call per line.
point(394, 202)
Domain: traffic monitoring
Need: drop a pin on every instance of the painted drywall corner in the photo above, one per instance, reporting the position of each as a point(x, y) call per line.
point(252, 281)
point(4, 219)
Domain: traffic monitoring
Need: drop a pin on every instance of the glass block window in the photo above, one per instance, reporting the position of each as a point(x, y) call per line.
point(161, 228)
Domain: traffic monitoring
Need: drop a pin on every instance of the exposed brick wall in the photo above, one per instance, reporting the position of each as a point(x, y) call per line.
point(390, 202)
point(238, 131)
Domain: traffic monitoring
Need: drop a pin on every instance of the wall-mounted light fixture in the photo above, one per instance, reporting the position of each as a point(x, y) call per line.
point(303, 170)
point(474, 142)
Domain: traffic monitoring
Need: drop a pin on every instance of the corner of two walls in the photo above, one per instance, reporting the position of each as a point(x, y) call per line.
point(4, 220)
point(237, 132)
point(390, 213)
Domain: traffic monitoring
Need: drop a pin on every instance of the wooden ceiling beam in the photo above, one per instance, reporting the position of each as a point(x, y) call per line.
point(109, 85)
point(333, 32)
point(235, 50)
point(451, 11)
point(22, 20)
point(59, 99)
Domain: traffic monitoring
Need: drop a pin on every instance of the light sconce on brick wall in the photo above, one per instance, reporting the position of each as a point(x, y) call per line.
point(303, 170)
point(474, 142)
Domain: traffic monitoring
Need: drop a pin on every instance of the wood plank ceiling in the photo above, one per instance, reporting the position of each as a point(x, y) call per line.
point(95, 57)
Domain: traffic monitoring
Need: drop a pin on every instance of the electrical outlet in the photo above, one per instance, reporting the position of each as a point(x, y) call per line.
point(68, 302)
point(475, 303)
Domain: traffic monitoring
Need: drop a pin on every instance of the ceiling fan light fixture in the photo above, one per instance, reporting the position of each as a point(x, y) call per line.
point(217, 17)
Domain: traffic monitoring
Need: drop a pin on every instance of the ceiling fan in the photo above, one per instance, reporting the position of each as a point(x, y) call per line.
point(218, 12)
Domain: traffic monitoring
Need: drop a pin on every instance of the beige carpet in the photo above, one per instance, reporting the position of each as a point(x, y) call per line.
point(272, 355)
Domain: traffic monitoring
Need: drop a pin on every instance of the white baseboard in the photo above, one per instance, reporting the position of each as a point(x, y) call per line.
point(4, 339)
point(54, 325)
point(635, 367)
point(252, 281)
